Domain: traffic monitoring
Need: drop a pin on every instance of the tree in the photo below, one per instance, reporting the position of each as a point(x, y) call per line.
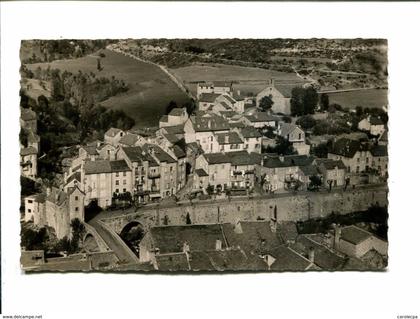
point(303, 101)
point(306, 122)
point(324, 101)
point(266, 102)
point(315, 182)
point(172, 105)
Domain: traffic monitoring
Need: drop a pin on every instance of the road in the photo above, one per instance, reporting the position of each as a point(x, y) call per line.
point(114, 242)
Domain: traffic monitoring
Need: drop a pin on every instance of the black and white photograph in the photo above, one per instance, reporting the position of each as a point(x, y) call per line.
point(201, 155)
point(209, 159)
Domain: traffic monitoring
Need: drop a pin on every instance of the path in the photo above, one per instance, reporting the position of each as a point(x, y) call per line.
point(179, 84)
point(114, 242)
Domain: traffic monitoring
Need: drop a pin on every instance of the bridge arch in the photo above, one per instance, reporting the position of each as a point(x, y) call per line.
point(132, 233)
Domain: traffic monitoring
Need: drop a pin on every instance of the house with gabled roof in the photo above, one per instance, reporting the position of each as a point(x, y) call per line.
point(201, 128)
point(280, 97)
point(355, 155)
point(282, 172)
point(177, 116)
point(252, 138)
point(333, 171)
point(101, 179)
point(28, 162)
point(113, 136)
point(373, 124)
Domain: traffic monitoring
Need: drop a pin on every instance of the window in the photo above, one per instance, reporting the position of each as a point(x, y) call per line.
point(170, 168)
point(117, 174)
point(30, 201)
point(300, 136)
point(124, 173)
point(379, 159)
point(245, 146)
point(367, 159)
point(117, 182)
point(124, 190)
point(76, 209)
point(358, 160)
point(109, 152)
point(223, 166)
point(211, 138)
point(357, 169)
point(29, 210)
point(117, 190)
point(76, 197)
point(124, 182)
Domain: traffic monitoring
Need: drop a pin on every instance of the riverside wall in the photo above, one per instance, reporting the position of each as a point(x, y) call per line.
point(297, 207)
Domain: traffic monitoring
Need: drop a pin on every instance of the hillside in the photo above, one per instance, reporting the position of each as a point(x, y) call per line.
point(150, 90)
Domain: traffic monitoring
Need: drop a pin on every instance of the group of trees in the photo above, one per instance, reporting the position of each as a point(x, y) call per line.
point(282, 147)
point(304, 101)
point(44, 239)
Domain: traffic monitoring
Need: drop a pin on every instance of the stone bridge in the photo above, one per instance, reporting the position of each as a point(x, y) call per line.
point(282, 207)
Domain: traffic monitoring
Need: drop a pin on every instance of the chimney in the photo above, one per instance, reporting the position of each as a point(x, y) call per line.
point(337, 235)
point(218, 244)
point(311, 254)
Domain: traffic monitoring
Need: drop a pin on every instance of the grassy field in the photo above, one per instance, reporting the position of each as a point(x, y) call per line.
point(367, 98)
point(246, 79)
point(150, 90)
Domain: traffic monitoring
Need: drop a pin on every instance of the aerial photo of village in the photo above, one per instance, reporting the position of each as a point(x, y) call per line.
point(204, 155)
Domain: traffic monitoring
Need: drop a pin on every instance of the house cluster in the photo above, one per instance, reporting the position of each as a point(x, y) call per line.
point(29, 153)
point(260, 245)
point(217, 149)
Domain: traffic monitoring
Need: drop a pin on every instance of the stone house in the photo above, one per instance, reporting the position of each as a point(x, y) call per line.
point(28, 162)
point(113, 136)
point(218, 87)
point(281, 101)
point(244, 169)
point(356, 242)
point(227, 142)
point(177, 116)
point(217, 166)
point(252, 138)
point(355, 155)
point(374, 125)
point(62, 208)
point(35, 209)
point(101, 179)
point(281, 172)
point(332, 170)
point(380, 159)
point(260, 119)
point(202, 127)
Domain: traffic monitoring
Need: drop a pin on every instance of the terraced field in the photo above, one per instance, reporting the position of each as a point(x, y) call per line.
point(150, 89)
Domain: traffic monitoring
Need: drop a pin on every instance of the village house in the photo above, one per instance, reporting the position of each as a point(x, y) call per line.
point(28, 162)
point(281, 101)
point(227, 142)
point(356, 242)
point(295, 135)
point(35, 209)
point(162, 240)
point(217, 87)
point(333, 171)
point(89, 152)
point(130, 139)
point(380, 159)
point(355, 155)
point(61, 208)
point(101, 179)
point(260, 120)
point(202, 127)
point(252, 138)
point(282, 172)
point(374, 125)
point(217, 166)
point(107, 151)
point(177, 116)
point(306, 172)
point(113, 136)
point(244, 169)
